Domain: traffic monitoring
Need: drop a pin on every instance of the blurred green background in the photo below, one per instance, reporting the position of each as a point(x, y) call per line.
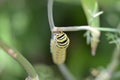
point(24, 26)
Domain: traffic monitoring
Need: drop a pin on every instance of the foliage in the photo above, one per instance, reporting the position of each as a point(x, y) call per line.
point(24, 26)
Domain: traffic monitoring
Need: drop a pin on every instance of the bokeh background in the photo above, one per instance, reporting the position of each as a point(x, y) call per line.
point(24, 26)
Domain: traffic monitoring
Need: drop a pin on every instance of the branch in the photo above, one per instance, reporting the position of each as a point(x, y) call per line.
point(65, 72)
point(86, 27)
point(115, 61)
point(23, 61)
point(50, 14)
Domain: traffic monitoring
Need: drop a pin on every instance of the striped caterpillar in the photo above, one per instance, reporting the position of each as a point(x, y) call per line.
point(59, 44)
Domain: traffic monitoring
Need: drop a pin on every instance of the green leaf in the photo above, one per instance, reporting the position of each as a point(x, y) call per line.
point(91, 10)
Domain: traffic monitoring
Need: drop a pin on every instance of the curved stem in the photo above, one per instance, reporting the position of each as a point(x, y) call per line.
point(50, 14)
point(19, 58)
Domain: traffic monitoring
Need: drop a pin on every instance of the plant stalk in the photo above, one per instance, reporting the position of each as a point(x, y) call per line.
point(22, 60)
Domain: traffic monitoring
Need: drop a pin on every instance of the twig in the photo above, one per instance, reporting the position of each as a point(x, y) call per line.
point(65, 72)
point(23, 61)
point(108, 29)
point(86, 27)
point(115, 61)
point(50, 14)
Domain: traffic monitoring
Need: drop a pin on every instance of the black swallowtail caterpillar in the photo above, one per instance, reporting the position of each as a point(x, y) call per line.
point(59, 44)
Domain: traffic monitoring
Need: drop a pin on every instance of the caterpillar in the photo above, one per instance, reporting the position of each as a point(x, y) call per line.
point(59, 44)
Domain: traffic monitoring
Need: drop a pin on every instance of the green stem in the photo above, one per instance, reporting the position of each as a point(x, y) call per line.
point(115, 61)
point(50, 14)
point(85, 27)
point(65, 72)
point(19, 58)
point(108, 29)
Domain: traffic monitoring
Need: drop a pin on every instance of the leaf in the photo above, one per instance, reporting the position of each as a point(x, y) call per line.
point(91, 11)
